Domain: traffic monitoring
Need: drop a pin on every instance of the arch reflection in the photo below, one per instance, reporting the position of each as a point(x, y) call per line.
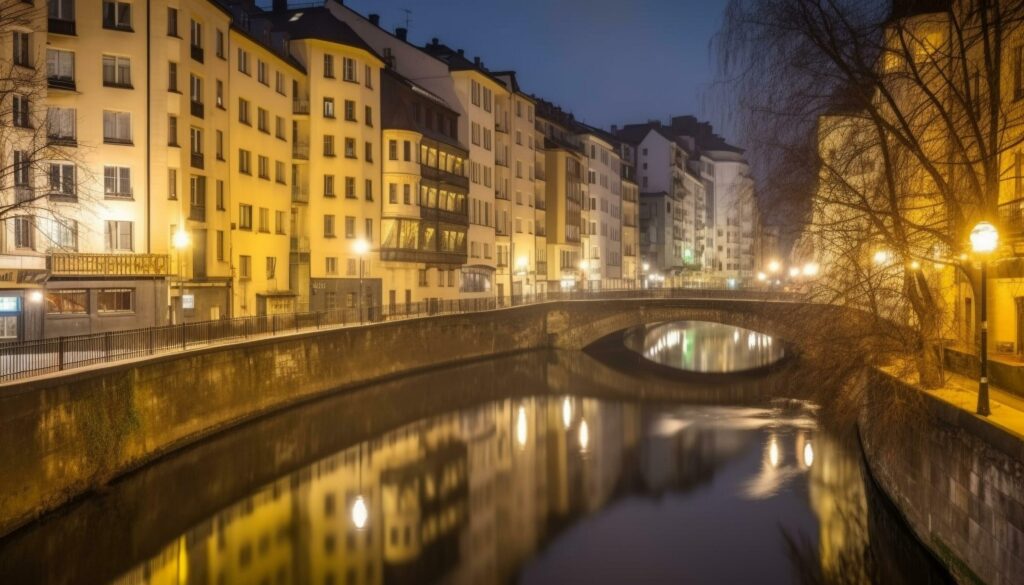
point(705, 347)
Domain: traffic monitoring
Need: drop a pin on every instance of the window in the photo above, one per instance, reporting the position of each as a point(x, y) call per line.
point(350, 147)
point(62, 179)
point(115, 300)
point(195, 89)
point(62, 235)
point(392, 150)
point(392, 193)
point(172, 183)
point(350, 187)
point(368, 116)
point(60, 68)
point(350, 227)
point(243, 61)
point(407, 151)
point(350, 70)
point(331, 265)
point(263, 120)
point(117, 15)
point(24, 232)
point(220, 196)
point(20, 109)
point(120, 236)
point(350, 110)
point(117, 181)
point(263, 167)
point(21, 168)
point(244, 216)
point(329, 226)
point(279, 172)
point(62, 10)
point(243, 111)
point(279, 222)
point(368, 190)
point(271, 267)
point(328, 145)
point(219, 144)
point(220, 43)
point(264, 217)
point(279, 82)
point(22, 54)
point(67, 301)
point(172, 77)
point(172, 21)
point(245, 267)
point(279, 127)
point(407, 194)
point(329, 66)
point(262, 72)
point(368, 152)
point(423, 277)
point(368, 76)
point(328, 107)
point(117, 71)
point(368, 229)
point(117, 127)
point(196, 40)
point(244, 162)
point(220, 245)
point(329, 186)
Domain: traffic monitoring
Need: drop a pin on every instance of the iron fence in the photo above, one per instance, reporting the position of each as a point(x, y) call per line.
point(23, 359)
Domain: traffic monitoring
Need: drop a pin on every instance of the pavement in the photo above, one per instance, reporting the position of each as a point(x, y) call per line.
point(962, 392)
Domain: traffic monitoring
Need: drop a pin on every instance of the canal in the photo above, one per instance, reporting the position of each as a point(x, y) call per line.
point(536, 468)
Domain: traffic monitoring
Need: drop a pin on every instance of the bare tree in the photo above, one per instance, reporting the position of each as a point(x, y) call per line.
point(39, 170)
point(899, 121)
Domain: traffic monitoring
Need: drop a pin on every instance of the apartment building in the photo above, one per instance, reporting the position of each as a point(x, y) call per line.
point(602, 249)
point(632, 268)
point(565, 171)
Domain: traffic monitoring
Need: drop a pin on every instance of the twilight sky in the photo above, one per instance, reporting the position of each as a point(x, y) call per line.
point(607, 61)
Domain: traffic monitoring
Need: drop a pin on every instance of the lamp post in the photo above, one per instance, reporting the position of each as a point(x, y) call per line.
point(361, 247)
point(583, 274)
point(180, 241)
point(521, 265)
point(984, 239)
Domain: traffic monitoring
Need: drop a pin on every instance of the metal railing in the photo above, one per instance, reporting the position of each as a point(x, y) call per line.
point(24, 359)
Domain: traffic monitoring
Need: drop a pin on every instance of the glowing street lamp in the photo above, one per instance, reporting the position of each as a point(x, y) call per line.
point(882, 257)
point(774, 266)
point(794, 272)
point(761, 276)
point(361, 248)
point(360, 513)
point(984, 240)
point(915, 265)
point(179, 241)
point(811, 269)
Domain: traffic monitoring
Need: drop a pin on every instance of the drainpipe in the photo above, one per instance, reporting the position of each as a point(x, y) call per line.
point(149, 123)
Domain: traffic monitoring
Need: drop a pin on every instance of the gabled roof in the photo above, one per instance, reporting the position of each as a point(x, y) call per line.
point(457, 61)
point(317, 23)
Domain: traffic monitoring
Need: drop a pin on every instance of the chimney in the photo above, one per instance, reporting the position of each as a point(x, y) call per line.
point(401, 32)
point(462, 52)
point(280, 5)
point(476, 61)
point(374, 19)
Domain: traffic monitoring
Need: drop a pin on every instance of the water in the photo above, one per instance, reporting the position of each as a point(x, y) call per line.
point(699, 346)
point(536, 468)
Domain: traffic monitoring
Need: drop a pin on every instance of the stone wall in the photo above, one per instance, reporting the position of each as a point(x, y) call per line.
point(958, 480)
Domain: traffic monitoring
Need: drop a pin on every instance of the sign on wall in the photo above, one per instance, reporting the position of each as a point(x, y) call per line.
point(10, 304)
point(188, 301)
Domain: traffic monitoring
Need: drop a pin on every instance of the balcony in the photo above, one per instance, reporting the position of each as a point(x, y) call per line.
point(299, 244)
point(441, 176)
point(197, 109)
point(197, 53)
point(300, 150)
point(197, 212)
point(540, 203)
point(539, 174)
point(23, 193)
point(56, 140)
point(109, 264)
point(300, 193)
point(66, 83)
point(432, 213)
point(499, 194)
point(57, 26)
point(300, 107)
point(1011, 216)
point(197, 160)
point(426, 256)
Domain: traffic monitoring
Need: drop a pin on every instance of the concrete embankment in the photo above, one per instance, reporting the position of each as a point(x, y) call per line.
point(957, 479)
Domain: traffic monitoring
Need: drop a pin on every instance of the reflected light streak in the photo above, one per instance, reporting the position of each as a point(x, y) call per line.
point(566, 412)
point(584, 435)
point(808, 454)
point(773, 452)
point(522, 431)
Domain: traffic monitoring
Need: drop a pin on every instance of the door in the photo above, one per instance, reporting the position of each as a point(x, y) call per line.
point(198, 253)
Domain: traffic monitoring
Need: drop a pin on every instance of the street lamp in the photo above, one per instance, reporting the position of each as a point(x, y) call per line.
point(761, 276)
point(361, 247)
point(984, 239)
point(522, 263)
point(774, 266)
point(583, 274)
point(811, 269)
point(179, 241)
point(794, 272)
point(646, 267)
point(881, 257)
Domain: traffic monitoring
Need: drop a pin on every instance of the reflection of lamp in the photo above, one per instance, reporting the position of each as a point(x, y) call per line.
point(808, 454)
point(584, 436)
point(811, 269)
point(522, 431)
point(984, 240)
point(794, 272)
point(773, 452)
point(566, 412)
point(761, 276)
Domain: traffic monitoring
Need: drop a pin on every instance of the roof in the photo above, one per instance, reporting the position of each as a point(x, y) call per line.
point(398, 95)
point(317, 23)
point(681, 127)
point(908, 8)
point(457, 61)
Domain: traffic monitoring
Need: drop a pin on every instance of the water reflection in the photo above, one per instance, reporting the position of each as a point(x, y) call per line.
point(701, 346)
point(553, 487)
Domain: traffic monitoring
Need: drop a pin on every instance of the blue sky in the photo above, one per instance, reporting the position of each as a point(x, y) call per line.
point(608, 61)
